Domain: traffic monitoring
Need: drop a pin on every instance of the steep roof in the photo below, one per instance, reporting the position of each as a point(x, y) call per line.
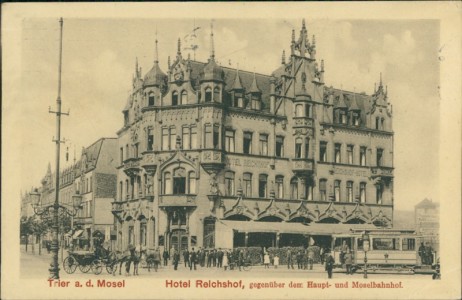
point(426, 203)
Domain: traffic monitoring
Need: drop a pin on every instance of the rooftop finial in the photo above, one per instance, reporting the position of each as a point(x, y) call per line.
point(283, 57)
point(314, 40)
point(156, 54)
point(322, 65)
point(303, 24)
point(380, 79)
point(136, 67)
point(168, 62)
point(212, 46)
point(293, 36)
point(179, 47)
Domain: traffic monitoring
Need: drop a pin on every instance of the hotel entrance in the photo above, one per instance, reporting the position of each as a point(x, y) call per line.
point(179, 239)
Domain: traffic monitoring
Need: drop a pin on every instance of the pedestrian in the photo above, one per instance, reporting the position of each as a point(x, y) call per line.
point(266, 260)
point(225, 260)
point(156, 259)
point(329, 264)
point(299, 258)
point(165, 256)
point(343, 249)
point(176, 259)
point(290, 260)
point(215, 257)
point(348, 262)
point(429, 254)
point(186, 258)
point(202, 257)
point(192, 259)
point(276, 261)
point(210, 259)
point(47, 244)
point(422, 254)
point(310, 258)
point(220, 258)
point(321, 254)
point(240, 259)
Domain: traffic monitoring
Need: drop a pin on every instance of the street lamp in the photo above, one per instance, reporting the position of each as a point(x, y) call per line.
point(365, 248)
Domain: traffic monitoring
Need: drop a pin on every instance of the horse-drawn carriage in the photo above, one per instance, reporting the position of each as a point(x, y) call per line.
point(88, 260)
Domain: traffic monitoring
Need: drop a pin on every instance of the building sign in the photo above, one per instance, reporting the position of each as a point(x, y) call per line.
point(248, 163)
point(351, 172)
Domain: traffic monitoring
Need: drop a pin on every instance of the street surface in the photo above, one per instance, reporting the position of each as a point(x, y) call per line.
point(34, 266)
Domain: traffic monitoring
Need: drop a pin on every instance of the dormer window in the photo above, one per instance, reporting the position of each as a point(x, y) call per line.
point(151, 99)
point(343, 117)
point(208, 95)
point(175, 98)
point(238, 100)
point(355, 119)
point(256, 104)
point(216, 94)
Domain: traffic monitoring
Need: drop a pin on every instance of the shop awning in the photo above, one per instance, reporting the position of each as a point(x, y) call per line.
point(77, 234)
point(293, 228)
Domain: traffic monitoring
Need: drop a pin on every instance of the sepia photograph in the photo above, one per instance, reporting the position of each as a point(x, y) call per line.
point(160, 151)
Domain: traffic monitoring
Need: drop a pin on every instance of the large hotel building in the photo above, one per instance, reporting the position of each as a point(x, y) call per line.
point(211, 156)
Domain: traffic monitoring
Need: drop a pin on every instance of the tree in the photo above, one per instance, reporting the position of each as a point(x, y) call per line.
point(25, 229)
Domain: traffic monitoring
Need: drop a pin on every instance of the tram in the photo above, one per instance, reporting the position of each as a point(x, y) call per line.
point(381, 249)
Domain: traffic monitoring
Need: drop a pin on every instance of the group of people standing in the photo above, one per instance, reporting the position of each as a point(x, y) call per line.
point(212, 258)
point(426, 254)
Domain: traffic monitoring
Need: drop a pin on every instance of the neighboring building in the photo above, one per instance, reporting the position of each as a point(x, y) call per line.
point(95, 179)
point(427, 222)
point(216, 157)
point(26, 204)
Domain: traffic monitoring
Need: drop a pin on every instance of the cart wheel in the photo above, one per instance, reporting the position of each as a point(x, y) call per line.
point(84, 268)
point(69, 265)
point(96, 267)
point(110, 268)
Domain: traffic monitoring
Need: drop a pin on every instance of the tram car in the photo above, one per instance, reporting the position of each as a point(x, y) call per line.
point(379, 250)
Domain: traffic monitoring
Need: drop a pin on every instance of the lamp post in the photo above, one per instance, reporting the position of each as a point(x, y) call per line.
point(366, 248)
point(53, 212)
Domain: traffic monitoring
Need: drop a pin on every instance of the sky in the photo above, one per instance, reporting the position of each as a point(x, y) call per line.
point(99, 57)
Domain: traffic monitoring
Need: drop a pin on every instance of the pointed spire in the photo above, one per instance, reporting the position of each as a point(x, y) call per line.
point(179, 48)
point(156, 54)
point(313, 41)
point(375, 87)
point(254, 87)
point(237, 81)
point(293, 36)
point(322, 65)
point(303, 24)
point(212, 46)
point(341, 101)
point(168, 62)
point(283, 57)
point(136, 68)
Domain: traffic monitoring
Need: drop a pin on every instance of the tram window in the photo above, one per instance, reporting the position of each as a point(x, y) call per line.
point(385, 244)
point(360, 244)
point(408, 244)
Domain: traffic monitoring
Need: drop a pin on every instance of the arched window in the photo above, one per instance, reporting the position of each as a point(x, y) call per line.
point(192, 182)
point(377, 123)
point(208, 95)
point(299, 110)
point(175, 98)
point(350, 191)
point(262, 185)
point(179, 181)
point(184, 97)
point(362, 192)
point(127, 189)
point(294, 188)
point(172, 137)
point(229, 183)
point(298, 148)
point(323, 189)
point(151, 99)
point(248, 185)
point(382, 124)
point(167, 183)
point(307, 147)
point(216, 95)
point(280, 187)
point(121, 190)
point(337, 190)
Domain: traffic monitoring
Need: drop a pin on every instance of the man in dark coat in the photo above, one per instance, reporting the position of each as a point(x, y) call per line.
point(176, 259)
point(299, 260)
point(186, 258)
point(192, 259)
point(290, 260)
point(220, 255)
point(429, 254)
point(202, 257)
point(165, 256)
point(329, 264)
point(422, 254)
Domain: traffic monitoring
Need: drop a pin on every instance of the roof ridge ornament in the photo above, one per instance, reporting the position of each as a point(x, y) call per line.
point(212, 46)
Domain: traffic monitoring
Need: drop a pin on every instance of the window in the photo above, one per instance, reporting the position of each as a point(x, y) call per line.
point(280, 187)
point(127, 189)
point(127, 154)
point(323, 151)
point(379, 157)
point(385, 244)
point(229, 140)
point(262, 185)
point(377, 123)
point(247, 147)
point(121, 155)
point(350, 154)
point(179, 181)
point(125, 118)
point(208, 136)
point(229, 183)
point(337, 190)
point(263, 144)
point(350, 191)
point(175, 98)
point(208, 95)
point(138, 186)
point(307, 147)
point(248, 185)
point(131, 235)
point(355, 119)
point(308, 190)
point(299, 110)
point(238, 100)
point(172, 137)
point(216, 94)
point(87, 186)
point(191, 182)
point(362, 156)
point(379, 192)
point(184, 98)
point(337, 153)
point(193, 137)
point(408, 244)
point(279, 146)
point(343, 117)
point(145, 185)
point(150, 142)
point(186, 138)
point(143, 232)
point(323, 189)
point(362, 192)
point(308, 111)
point(167, 183)
point(121, 190)
point(151, 99)
point(298, 148)
point(216, 136)
point(135, 150)
point(165, 139)
point(256, 104)
point(294, 188)
point(382, 124)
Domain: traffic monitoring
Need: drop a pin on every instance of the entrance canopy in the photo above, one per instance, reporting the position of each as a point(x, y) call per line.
point(293, 228)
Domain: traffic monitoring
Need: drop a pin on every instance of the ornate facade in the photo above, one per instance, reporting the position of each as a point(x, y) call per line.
point(207, 150)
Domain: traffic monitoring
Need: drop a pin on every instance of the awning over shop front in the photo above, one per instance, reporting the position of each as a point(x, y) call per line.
point(293, 228)
point(77, 234)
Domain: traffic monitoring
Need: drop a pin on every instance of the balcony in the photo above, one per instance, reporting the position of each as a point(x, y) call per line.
point(177, 200)
point(302, 165)
point(149, 163)
point(303, 122)
point(384, 172)
point(131, 166)
point(212, 160)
